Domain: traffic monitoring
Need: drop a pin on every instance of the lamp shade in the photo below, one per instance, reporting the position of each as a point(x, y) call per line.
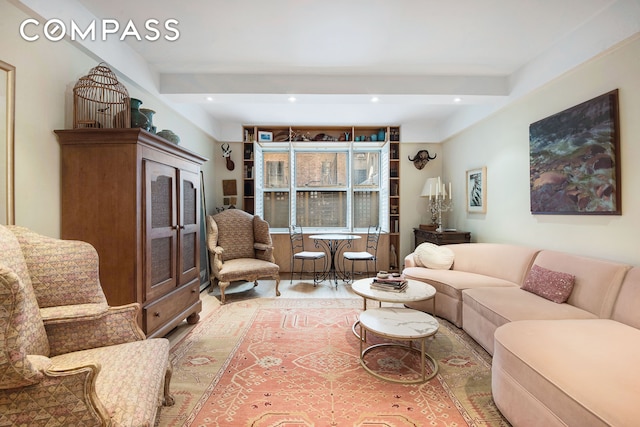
point(429, 188)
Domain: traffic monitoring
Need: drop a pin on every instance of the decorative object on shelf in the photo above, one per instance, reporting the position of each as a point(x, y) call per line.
point(169, 136)
point(393, 257)
point(381, 134)
point(477, 190)
point(100, 101)
point(138, 119)
point(421, 159)
point(265, 136)
point(149, 114)
point(226, 153)
point(575, 160)
point(230, 193)
point(438, 203)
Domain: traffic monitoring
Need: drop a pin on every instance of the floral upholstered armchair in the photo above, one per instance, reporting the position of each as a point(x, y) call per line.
point(240, 248)
point(66, 357)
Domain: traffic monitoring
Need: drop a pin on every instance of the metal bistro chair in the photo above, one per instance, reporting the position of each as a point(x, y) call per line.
point(298, 252)
point(369, 254)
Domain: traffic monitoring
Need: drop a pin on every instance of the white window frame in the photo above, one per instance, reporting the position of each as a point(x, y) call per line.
point(301, 147)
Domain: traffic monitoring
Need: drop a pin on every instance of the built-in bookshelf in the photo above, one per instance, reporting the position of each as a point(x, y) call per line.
point(248, 178)
point(338, 134)
point(394, 198)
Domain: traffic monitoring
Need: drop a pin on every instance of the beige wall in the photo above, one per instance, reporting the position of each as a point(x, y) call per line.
point(501, 143)
point(45, 75)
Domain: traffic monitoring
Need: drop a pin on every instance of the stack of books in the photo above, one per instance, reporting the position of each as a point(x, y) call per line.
point(390, 284)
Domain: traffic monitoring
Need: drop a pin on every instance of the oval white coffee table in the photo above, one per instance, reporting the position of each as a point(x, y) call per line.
point(399, 324)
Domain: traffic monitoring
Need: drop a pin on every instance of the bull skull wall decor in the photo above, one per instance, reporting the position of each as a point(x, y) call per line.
point(226, 153)
point(421, 158)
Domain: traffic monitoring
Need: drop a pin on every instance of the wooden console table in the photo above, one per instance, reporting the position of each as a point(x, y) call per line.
point(440, 237)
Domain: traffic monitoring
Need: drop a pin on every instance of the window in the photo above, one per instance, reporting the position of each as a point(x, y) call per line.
point(322, 186)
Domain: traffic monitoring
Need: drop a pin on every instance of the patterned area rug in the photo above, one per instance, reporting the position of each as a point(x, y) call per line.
point(294, 362)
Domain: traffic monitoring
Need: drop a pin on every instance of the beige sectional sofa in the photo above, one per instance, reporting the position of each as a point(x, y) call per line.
point(553, 364)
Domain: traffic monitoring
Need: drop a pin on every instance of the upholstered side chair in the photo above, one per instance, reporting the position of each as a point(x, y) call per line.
point(66, 357)
point(240, 248)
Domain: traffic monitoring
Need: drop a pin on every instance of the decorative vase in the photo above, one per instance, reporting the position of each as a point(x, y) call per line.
point(138, 119)
point(149, 114)
point(169, 136)
point(381, 135)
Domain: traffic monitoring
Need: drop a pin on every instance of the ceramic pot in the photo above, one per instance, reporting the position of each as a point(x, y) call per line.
point(169, 136)
point(149, 114)
point(138, 119)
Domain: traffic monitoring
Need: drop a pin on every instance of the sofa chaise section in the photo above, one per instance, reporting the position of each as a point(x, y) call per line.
point(596, 285)
point(572, 372)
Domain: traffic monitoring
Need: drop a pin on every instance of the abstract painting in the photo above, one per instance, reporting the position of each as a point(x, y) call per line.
point(574, 160)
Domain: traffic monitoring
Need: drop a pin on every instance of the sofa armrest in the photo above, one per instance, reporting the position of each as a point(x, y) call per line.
point(72, 388)
point(117, 325)
point(409, 261)
point(264, 251)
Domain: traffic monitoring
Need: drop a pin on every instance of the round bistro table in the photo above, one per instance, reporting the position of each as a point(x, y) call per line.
point(333, 242)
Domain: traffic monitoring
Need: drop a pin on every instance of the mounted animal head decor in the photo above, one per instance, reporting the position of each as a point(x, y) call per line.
point(226, 153)
point(421, 158)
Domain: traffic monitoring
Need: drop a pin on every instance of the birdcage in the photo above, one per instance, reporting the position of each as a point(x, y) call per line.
point(100, 101)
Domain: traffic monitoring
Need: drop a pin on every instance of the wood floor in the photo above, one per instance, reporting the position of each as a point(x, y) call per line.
point(266, 289)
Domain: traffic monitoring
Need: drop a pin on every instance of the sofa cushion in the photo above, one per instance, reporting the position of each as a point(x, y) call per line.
point(239, 268)
point(503, 305)
point(581, 370)
point(625, 309)
point(552, 285)
point(433, 256)
point(597, 281)
point(503, 261)
point(452, 282)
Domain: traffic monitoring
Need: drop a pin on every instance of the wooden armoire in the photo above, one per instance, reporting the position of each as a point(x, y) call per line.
point(136, 198)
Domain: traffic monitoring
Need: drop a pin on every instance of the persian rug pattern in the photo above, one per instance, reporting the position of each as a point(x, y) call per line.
point(272, 362)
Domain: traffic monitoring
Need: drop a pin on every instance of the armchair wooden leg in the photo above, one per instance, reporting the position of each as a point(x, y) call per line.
point(223, 286)
point(277, 285)
point(168, 398)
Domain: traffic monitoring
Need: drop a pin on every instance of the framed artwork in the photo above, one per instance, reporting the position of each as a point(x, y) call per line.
point(265, 136)
point(477, 190)
point(574, 160)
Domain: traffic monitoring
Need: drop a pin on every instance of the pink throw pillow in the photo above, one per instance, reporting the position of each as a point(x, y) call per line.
point(552, 285)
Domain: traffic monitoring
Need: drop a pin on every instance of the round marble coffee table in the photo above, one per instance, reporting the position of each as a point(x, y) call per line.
point(399, 324)
point(415, 291)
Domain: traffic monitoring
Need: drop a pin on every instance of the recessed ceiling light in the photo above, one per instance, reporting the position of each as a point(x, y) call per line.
point(292, 99)
point(457, 99)
point(375, 99)
point(209, 98)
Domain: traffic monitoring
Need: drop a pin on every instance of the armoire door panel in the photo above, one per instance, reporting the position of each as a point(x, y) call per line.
point(189, 259)
point(161, 229)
